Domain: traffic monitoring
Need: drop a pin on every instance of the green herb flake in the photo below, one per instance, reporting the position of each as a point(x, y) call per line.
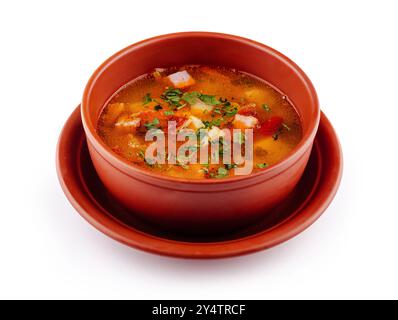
point(147, 98)
point(217, 110)
point(168, 113)
point(172, 96)
point(261, 165)
point(212, 123)
point(230, 166)
point(231, 111)
point(266, 107)
point(210, 100)
point(191, 97)
point(152, 125)
point(221, 173)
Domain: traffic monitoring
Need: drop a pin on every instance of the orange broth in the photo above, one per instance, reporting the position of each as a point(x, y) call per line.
point(200, 98)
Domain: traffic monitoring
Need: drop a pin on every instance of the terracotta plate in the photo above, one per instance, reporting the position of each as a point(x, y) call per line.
point(88, 196)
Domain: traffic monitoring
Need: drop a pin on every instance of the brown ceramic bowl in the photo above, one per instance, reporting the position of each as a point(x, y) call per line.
point(199, 205)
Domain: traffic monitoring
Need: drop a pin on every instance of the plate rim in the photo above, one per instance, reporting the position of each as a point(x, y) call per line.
point(198, 250)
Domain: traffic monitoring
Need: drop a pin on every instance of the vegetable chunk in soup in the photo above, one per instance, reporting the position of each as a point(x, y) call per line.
point(221, 108)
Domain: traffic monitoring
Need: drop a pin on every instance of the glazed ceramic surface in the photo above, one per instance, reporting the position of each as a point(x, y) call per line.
point(206, 206)
point(92, 200)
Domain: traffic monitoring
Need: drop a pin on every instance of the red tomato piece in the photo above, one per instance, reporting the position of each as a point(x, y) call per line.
point(271, 125)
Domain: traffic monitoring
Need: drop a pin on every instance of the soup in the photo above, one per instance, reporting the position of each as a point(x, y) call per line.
point(209, 102)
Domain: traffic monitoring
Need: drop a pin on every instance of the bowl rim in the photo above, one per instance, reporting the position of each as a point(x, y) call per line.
point(126, 167)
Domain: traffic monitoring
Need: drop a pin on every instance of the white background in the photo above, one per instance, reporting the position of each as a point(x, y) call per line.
point(48, 50)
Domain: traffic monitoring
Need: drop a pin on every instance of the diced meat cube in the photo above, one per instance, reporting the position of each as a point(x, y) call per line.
point(181, 79)
point(245, 122)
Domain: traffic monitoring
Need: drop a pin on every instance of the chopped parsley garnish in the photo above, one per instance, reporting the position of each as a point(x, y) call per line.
point(212, 123)
point(152, 125)
point(191, 97)
point(147, 98)
point(217, 110)
point(261, 165)
point(227, 109)
point(275, 136)
point(221, 173)
point(230, 111)
point(266, 107)
point(208, 99)
point(230, 166)
point(172, 96)
point(168, 113)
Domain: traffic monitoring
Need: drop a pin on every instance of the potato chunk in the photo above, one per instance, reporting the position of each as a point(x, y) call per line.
point(255, 94)
point(273, 150)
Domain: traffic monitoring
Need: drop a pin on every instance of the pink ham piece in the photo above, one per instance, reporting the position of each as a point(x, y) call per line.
point(181, 79)
point(245, 122)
